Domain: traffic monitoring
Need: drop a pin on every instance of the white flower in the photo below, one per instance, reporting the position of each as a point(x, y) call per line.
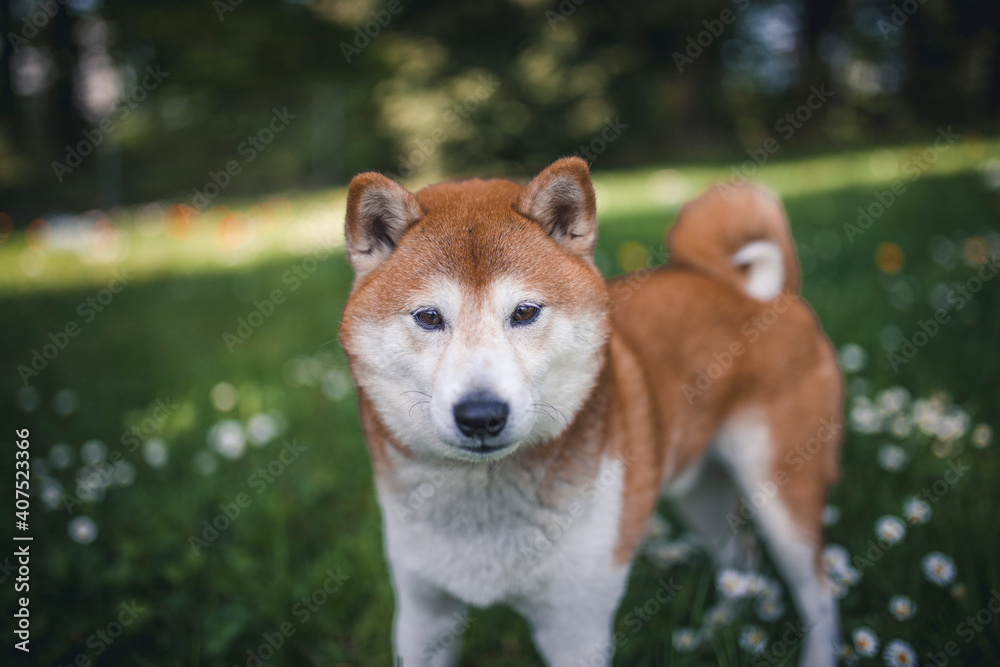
point(853, 357)
point(831, 515)
point(893, 400)
point(83, 530)
point(899, 654)
point(865, 417)
point(732, 584)
point(93, 452)
point(667, 554)
point(916, 511)
point(228, 439)
point(685, 639)
point(61, 456)
point(892, 457)
point(982, 436)
point(901, 426)
point(846, 576)
point(938, 568)
point(261, 429)
point(753, 639)
point(770, 609)
point(835, 558)
point(902, 607)
point(890, 529)
point(719, 615)
point(953, 425)
point(154, 452)
point(865, 642)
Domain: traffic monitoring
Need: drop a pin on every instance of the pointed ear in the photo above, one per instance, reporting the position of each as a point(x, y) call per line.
point(379, 210)
point(561, 199)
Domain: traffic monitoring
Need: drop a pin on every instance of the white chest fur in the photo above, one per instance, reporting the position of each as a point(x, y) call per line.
point(483, 534)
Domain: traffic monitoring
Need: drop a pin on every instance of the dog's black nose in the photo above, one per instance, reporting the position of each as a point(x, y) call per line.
point(481, 415)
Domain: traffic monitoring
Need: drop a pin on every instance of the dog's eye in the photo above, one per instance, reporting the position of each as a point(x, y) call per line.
point(429, 318)
point(525, 313)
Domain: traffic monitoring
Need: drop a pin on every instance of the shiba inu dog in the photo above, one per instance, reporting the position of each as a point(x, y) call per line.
point(524, 416)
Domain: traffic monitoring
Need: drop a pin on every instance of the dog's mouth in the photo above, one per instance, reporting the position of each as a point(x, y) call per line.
point(483, 448)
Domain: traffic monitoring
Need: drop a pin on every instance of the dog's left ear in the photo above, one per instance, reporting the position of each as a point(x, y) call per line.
point(561, 199)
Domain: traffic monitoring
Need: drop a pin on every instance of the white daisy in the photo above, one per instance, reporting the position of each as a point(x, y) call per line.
point(753, 639)
point(667, 554)
point(892, 457)
point(846, 576)
point(685, 639)
point(770, 609)
point(83, 530)
point(901, 426)
point(852, 357)
point(890, 529)
point(938, 568)
point(864, 416)
point(893, 400)
point(719, 615)
point(835, 557)
point(899, 654)
point(732, 584)
point(916, 511)
point(865, 642)
point(982, 436)
point(902, 607)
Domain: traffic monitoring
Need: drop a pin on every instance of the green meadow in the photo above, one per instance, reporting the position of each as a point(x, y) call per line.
point(202, 495)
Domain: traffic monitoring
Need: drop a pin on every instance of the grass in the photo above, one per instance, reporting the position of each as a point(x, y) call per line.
point(161, 338)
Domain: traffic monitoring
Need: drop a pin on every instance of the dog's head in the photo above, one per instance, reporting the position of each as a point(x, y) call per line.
point(477, 321)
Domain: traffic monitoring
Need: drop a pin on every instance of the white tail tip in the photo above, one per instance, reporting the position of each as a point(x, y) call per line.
point(765, 269)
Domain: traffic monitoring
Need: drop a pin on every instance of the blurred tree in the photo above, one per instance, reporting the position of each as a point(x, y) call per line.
point(429, 88)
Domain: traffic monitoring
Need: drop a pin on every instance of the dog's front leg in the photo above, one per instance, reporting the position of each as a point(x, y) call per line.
point(572, 619)
point(429, 623)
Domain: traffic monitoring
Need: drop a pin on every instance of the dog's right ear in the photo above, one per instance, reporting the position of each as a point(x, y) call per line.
point(379, 210)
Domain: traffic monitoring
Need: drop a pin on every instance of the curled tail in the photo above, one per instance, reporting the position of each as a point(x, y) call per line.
point(737, 234)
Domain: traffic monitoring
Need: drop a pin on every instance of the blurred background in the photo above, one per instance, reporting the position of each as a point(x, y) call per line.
point(172, 183)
